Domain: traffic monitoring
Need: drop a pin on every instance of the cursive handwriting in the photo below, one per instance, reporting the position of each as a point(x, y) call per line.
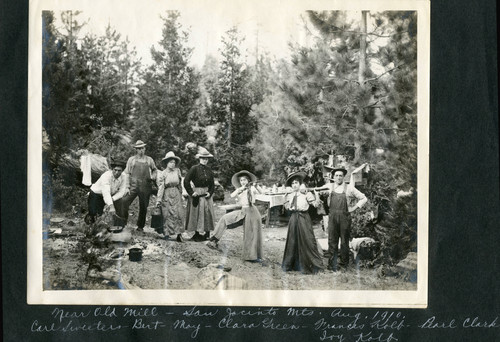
point(141, 312)
point(369, 337)
point(477, 323)
point(60, 314)
point(182, 324)
point(73, 327)
point(431, 323)
point(193, 312)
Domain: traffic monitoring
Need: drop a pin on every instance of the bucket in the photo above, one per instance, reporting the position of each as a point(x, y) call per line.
point(119, 221)
point(135, 254)
point(157, 220)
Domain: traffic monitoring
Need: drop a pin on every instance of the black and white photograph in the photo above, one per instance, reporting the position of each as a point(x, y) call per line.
point(228, 153)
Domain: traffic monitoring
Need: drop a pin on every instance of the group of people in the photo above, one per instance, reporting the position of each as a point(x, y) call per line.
point(301, 249)
point(117, 188)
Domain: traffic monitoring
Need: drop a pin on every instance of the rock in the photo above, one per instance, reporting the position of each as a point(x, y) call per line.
point(407, 268)
point(124, 236)
point(212, 277)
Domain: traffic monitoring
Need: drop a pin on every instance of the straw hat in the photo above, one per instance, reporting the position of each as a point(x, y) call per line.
point(299, 174)
point(235, 180)
point(171, 155)
point(139, 144)
point(203, 153)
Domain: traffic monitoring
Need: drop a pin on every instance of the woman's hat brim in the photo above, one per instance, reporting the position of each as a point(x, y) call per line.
point(235, 180)
point(166, 160)
point(299, 174)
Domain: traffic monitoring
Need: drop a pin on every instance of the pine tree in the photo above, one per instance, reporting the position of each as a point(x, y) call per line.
point(166, 116)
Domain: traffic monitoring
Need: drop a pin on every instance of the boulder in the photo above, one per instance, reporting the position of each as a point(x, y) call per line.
point(214, 277)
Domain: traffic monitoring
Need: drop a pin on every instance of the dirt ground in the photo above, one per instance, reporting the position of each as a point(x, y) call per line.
point(188, 265)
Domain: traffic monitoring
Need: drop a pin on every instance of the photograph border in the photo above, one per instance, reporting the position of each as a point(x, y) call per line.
point(313, 298)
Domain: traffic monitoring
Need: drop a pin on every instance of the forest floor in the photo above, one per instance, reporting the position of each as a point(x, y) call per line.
point(169, 264)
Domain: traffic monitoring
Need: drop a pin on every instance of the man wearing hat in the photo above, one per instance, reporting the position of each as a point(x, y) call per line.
point(339, 217)
point(141, 171)
point(200, 186)
point(109, 191)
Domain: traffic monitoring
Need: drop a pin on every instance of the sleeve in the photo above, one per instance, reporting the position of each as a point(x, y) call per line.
point(187, 180)
point(106, 189)
point(211, 183)
point(359, 196)
point(154, 170)
point(287, 201)
point(235, 193)
point(326, 192)
point(160, 181)
point(128, 169)
point(310, 197)
point(123, 188)
point(180, 180)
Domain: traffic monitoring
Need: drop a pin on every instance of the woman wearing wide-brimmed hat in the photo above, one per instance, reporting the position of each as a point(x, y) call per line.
point(301, 249)
point(141, 170)
point(249, 216)
point(200, 186)
point(170, 196)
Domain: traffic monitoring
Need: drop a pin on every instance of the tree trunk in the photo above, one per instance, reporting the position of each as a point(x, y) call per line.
point(362, 49)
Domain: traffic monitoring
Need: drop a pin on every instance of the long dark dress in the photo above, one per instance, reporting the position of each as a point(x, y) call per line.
point(301, 249)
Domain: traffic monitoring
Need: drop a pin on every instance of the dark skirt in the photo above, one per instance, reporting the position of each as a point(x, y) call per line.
point(301, 249)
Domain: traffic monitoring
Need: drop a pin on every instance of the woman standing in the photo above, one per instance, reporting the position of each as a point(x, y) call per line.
point(200, 186)
point(249, 216)
point(301, 250)
point(170, 196)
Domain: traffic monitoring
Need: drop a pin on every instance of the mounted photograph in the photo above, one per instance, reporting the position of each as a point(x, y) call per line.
point(228, 153)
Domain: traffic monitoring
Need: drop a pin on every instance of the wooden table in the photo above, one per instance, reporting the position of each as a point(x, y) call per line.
point(271, 200)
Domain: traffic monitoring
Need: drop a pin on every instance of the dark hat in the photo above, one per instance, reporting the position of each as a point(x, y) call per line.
point(334, 169)
point(235, 180)
point(171, 155)
point(118, 162)
point(139, 144)
point(203, 153)
point(299, 174)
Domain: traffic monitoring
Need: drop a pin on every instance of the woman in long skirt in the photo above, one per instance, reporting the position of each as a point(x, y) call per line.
point(301, 249)
point(170, 197)
point(200, 186)
point(248, 215)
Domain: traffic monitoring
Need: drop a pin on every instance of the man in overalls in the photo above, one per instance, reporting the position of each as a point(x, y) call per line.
point(339, 221)
point(141, 170)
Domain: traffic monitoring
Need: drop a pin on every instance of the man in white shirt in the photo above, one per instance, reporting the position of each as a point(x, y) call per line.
point(339, 217)
point(108, 192)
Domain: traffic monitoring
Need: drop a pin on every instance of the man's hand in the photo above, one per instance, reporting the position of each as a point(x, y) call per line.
point(351, 209)
point(195, 194)
point(208, 195)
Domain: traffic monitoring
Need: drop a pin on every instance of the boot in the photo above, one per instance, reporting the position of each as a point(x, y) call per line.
point(196, 237)
point(179, 238)
point(206, 236)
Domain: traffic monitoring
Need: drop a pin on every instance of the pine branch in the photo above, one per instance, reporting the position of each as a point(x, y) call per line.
point(388, 71)
point(373, 105)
